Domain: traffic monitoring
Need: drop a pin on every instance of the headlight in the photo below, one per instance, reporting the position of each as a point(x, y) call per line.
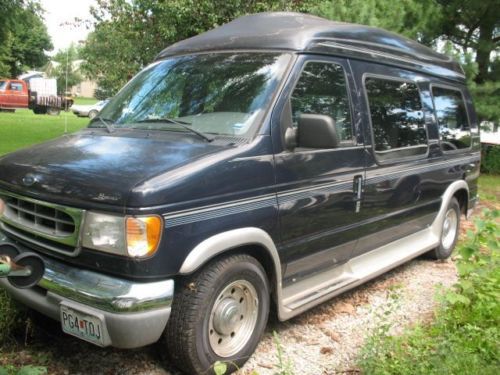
point(105, 233)
point(133, 236)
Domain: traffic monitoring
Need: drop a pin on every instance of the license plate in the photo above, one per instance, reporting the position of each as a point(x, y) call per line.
point(84, 326)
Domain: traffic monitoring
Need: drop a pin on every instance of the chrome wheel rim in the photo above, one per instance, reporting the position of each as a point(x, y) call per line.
point(233, 318)
point(450, 228)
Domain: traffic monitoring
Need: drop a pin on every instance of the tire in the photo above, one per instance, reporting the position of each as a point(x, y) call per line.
point(53, 111)
point(213, 315)
point(92, 114)
point(39, 110)
point(449, 232)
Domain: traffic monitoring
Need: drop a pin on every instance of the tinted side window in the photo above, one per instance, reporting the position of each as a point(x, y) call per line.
point(454, 129)
point(397, 118)
point(321, 89)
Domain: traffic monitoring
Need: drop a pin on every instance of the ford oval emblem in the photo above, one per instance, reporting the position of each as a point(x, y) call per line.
point(29, 179)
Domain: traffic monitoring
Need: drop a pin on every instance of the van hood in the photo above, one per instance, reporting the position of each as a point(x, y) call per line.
point(94, 166)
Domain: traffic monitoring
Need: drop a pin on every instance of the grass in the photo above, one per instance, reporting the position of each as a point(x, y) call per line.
point(85, 101)
point(23, 128)
point(489, 187)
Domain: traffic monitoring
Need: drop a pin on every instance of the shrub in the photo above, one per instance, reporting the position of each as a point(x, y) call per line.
point(490, 156)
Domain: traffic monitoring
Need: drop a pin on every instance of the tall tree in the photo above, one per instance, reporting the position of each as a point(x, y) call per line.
point(9, 10)
point(474, 26)
point(23, 37)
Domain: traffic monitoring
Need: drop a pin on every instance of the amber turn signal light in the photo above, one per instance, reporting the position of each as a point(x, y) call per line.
point(143, 235)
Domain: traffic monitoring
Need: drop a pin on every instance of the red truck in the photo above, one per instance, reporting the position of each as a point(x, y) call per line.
point(39, 95)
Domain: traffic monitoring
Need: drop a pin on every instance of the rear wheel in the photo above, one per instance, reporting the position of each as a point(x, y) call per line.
point(92, 114)
point(53, 111)
point(449, 231)
point(218, 314)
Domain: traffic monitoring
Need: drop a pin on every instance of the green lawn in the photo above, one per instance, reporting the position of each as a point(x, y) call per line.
point(489, 187)
point(23, 128)
point(81, 100)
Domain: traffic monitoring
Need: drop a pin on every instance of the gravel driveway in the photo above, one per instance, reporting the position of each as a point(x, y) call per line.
point(324, 340)
point(327, 339)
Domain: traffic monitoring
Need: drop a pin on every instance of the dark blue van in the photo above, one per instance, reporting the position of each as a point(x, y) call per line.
point(278, 160)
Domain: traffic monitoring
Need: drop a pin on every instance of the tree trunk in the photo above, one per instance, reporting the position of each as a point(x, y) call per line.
point(484, 47)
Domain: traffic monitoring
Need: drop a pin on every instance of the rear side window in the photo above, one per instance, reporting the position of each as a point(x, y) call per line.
point(454, 129)
point(321, 89)
point(397, 118)
point(16, 86)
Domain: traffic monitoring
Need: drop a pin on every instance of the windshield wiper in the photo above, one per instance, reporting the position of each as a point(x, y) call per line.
point(108, 126)
point(183, 124)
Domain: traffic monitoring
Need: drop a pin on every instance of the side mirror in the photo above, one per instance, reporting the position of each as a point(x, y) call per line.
point(317, 131)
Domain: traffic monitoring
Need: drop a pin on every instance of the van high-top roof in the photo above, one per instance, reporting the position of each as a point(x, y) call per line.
point(288, 31)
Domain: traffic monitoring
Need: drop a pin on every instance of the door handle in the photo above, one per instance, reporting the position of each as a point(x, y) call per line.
point(358, 190)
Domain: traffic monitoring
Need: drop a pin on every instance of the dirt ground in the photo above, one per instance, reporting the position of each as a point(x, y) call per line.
point(324, 340)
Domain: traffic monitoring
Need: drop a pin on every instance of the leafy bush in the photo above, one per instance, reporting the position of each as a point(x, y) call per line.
point(11, 318)
point(490, 159)
point(465, 336)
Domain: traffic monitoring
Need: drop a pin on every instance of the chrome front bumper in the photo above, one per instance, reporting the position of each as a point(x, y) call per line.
point(135, 313)
point(104, 292)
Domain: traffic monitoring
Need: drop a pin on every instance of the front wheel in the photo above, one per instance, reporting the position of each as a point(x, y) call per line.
point(37, 110)
point(218, 314)
point(449, 231)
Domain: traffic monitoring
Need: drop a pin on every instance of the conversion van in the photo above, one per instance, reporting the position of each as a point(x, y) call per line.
point(264, 166)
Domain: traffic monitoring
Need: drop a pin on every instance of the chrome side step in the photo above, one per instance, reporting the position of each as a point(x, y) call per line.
point(312, 291)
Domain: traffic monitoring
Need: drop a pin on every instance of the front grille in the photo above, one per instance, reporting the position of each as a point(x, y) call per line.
point(41, 218)
point(34, 241)
point(47, 225)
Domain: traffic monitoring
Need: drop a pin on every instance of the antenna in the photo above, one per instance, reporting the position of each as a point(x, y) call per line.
point(65, 93)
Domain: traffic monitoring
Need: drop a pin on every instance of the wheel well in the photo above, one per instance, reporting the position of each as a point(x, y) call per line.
point(262, 255)
point(463, 200)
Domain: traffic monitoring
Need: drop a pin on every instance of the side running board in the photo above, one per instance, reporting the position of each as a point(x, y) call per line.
point(312, 291)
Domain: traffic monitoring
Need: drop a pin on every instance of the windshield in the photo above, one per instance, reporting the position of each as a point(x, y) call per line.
point(211, 93)
point(2, 85)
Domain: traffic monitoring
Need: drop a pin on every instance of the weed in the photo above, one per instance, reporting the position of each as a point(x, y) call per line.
point(284, 365)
